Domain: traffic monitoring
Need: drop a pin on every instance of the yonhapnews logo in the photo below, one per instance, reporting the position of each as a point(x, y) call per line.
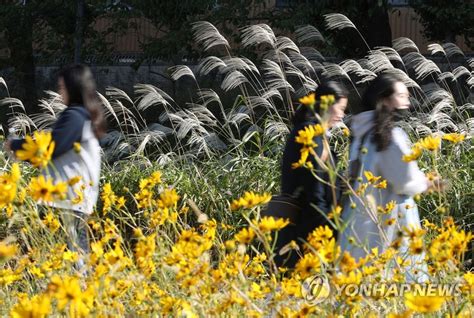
point(316, 289)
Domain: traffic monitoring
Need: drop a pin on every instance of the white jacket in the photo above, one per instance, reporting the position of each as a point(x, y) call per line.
point(366, 227)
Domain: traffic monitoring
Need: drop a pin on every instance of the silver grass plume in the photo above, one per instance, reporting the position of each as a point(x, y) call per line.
point(403, 43)
point(207, 35)
point(2, 81)
point(233, 80)
point(116, 93)
point(435, 48)
point(258, 34)
point(334, 70)
point(12, 103)
point(208, 64)
point(179, 71)
point(461, 71)
point(422, 66)
point(351, 66)
point(151, 96)
point(391, 53)
point(285, 43)
point(308, 34)
point(379, 61)
point(301, 62)
point(240, 64)
point(337, 21)
point(312, 54)
point(405, 78)
point(452, 49)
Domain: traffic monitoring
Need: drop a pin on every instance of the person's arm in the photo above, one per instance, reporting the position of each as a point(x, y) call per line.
point(67, 131)
point(404, 177)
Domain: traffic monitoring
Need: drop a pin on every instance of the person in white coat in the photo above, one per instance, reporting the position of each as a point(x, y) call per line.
point(378, 147)
point(80, 125)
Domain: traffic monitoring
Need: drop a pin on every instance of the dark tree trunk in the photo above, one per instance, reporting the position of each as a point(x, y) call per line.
point(79, 32)
point(371, 17)
point(377, 30)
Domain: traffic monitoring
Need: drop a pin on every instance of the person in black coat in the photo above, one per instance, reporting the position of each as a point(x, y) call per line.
point(313, 196)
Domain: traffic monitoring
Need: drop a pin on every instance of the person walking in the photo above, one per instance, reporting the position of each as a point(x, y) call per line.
point(314, 195)
point(381, 180)
point(76, 154)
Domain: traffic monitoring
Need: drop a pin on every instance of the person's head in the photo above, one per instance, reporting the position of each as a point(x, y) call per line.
point(387, 91)
point(336, 110)
point(76, 86)
point(386, 95)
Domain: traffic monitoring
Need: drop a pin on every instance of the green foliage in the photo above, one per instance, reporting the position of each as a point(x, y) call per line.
point(212, 184)
point(444, 20)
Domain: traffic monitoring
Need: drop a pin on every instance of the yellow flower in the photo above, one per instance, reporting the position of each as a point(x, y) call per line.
point(74, 180)
point(7, 250)
point(388, 207)
point(329, 251)
point(37, 151)
point(335, 213)
point(36, 271)
point(406, 314)
point(120, 202)
point(168, 198)
point(70, 256)
point(269, 223)
point(41, 188)
point(77, 147)
point(318, 236)
point(416, 152)
point(302, 162)
point(250, 200)
point(416, 246)
point(370, 177)
point(381, 185)
point(469, 278)
point(155, 177)
point(326, 101)
point(38, 306)
point(454, 137)
point(353, 277)
point(79, 195)
point(9, 186)
point(245, 236)
point(308, 100)
point(306, 136)
point(108, 197)
point(15, 172)
point(51, 222)
point(67, 291)
point(423, 304)
point(430, 143)
point(146, 246)
point(308, 265)
point(60, 189)
point(346, 132)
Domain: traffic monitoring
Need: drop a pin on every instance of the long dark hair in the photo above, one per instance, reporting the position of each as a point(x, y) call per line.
point(381, 87)
point(304, 114)
point(81, 89)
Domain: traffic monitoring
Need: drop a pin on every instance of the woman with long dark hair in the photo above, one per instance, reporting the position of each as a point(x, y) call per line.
point(76, 155)
point(314, 196)
point(375, 217)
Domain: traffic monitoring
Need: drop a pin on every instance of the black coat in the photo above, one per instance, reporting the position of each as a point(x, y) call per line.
point(315, 198)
